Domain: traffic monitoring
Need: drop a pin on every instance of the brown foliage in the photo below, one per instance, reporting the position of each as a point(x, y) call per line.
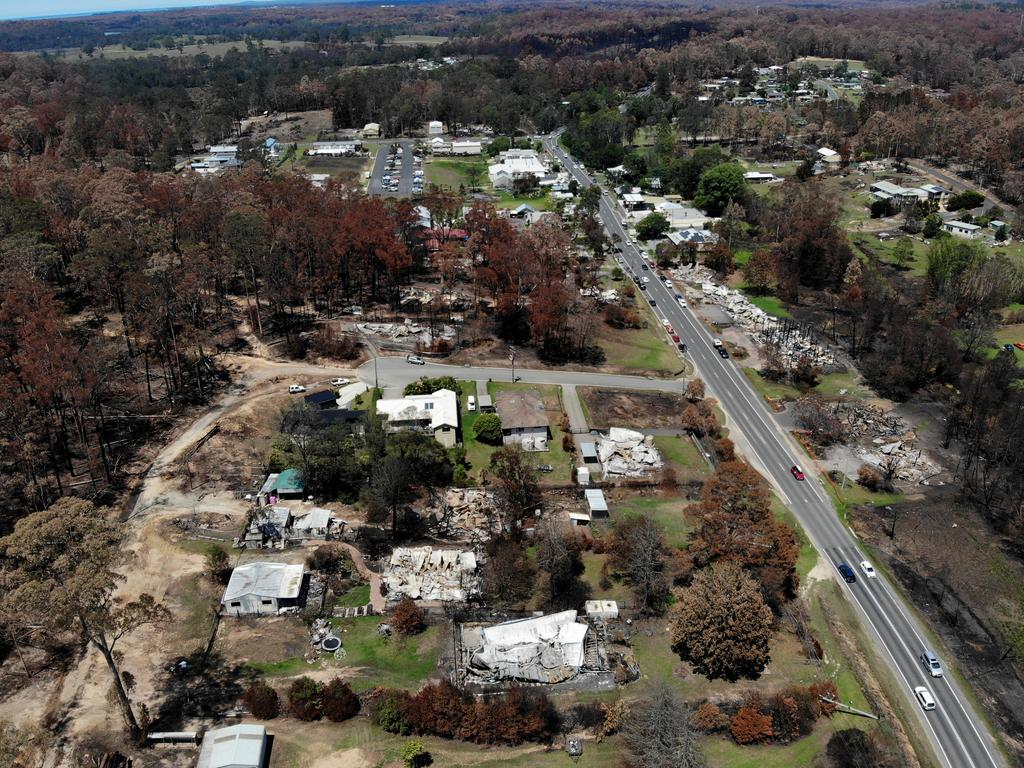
point(748, 726)
point(700, 419)
point(709, 718)
point(408, 618)
point(726, 449)
point(621, 317)
point(339, 701)
point(262, 701)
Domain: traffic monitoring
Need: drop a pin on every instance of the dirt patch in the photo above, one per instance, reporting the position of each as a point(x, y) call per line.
point(640, 410)
point(954, 570)
point(262, 640)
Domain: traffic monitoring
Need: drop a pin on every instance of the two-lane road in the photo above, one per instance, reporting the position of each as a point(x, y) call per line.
point(954, 729)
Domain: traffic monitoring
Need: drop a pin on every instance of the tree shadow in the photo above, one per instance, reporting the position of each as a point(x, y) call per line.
point(197, 687)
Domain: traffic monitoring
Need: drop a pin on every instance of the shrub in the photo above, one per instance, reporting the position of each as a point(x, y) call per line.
point(415, 755)
point(427, 385)
point(390, 713)
point(965, 200)
point(726, 449)
point(218, 566)
point(262, 701)
point(305, 699)
point(339, 701)
point(749, 726)
point(869, 478)
point(487, 428)
point(709, 718)
point(408, 618)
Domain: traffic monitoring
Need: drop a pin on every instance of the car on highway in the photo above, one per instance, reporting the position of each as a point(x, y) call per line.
point(340, 382)
point(681, 347)
point(723, 353)
point(295, 389)
point(868, 569)
point(414, 360)
point(644, 266)
point(675, 338)
point(652, 302)
point(924, 698)
point(796, 472)
point(681, 303)
point(847, 573)
point(931, 663)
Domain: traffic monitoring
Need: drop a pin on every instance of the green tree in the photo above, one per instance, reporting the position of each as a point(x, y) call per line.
point(721, 625)
point(903, 252)
point(218, 565)
point(652, 226)
point(932, 225)
point(426, 385)
point(305, 699)
point(719, 186)
point(415, 755)
point(61, 567)
point(487, 428)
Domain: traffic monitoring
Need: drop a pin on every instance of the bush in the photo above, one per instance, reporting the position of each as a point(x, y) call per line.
point(620, 317)
point(415, 755)
point(339, 701)
point(407, 618)
point(390, 713)
point(487, 428)
point(869, 478)
point(218, 566)
point(965, 200)
point(262, 701)
point(427, 385)
point(709, 718)
point(725, 448)
point(305, 699)
point(749, 726)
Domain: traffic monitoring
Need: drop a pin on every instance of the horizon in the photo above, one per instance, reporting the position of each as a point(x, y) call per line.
point(57, 9)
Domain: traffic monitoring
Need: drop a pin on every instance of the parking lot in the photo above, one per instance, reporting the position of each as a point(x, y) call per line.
point(398, 170)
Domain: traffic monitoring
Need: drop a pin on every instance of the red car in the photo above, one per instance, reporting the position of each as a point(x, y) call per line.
point(797, 472)
point(675, 338)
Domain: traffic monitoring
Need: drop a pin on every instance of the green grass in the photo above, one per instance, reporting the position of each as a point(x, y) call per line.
point(770, 304)
point(451, 174)
point(646, 350)
point(120, 52)
point(856, 495)
point(771, 389)
point(917, 266)
point(682, 455)
point(1008, 334)
point(668, 513)
point(556, 456)
point(356, 597)
point(477, 454)
point(618, 591)
point(417, 40)
point(831, 384)
point(283, 668)
point(805, 752)
point(740, 258)
point(397, 662)
point(852, 65)
point(541, 202)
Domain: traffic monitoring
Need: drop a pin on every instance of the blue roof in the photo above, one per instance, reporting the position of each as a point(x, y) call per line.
point(321, 398)
point(271, 142)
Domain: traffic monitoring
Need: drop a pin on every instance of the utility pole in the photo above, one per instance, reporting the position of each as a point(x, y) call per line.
point(512, 357)
point(376, 380)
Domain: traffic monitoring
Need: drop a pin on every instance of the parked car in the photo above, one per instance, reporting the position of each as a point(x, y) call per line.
point(652, 302)
point(471, 403)
point(414, 360)
point(924, 698)
point(675, 338)
point(868, 569)
point(340, 382)
point(796, 472)
point(681, 347)
point(847, 573)
point(723, 353)
point(295, 389)
point(931, 663)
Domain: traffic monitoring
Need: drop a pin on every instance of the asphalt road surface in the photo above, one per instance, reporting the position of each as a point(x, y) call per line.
point(954, 729)
point(405, 169)
point(951, 180)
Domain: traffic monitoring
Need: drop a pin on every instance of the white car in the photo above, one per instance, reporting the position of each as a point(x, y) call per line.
point(295, 389)
point(471, 403)
point(414, 360)
point(924, 698)
point(340, 382)
point(868, 568)
point(665, 323)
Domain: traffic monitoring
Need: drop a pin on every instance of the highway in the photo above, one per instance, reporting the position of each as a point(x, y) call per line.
point(955, 730)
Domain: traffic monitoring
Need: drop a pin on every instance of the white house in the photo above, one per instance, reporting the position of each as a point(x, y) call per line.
point(435, 128)
point(683, 216)
point(467, 147)
point(334, 148)
point(371, 131)
point(962, 229)
point(759, 177)
point(237, 746)
point(830, 156)
point(262, 589)
point(437, 414)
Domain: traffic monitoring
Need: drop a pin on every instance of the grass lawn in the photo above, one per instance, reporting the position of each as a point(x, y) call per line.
point(667, 512)
point(852, 65)
point(541, 202)
point(477, 454)
point(681, 455)
point(723, 751)
point(771, 389)
point(397, 662)
point(647, 350)
point(782, 170)
point(451, 174)
point(857, 495)
point(618, 591)
point(1008, 334)
point(358, 596)
point(740, 258)
point(770, 304)
point(556, 456)
point(883, 249)
point(831, 384)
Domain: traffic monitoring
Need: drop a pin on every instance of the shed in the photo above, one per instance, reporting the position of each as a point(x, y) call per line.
point(962, 229)
point(596, 502)
point(237, 746)
point(579, 518)
point(601, 609)
point(287, 484)
point(485, 403)
point(324, 399)
point(589, 453)
point(583, 475)
point(262, 589)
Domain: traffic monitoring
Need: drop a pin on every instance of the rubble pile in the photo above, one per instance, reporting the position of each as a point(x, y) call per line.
point(862, 420)
point(466, 514)
point(793, 345)
point(903, 459)
point(408, 332)
point(425, 573)
point(605, 296)
point(624, 452)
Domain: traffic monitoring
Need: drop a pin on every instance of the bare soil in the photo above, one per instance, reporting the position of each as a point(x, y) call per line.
point(641, 410)
point(955, 571)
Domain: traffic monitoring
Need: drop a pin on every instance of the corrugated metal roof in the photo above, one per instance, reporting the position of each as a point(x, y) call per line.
point(596, 500)
point(237, 746)
point(279, 580)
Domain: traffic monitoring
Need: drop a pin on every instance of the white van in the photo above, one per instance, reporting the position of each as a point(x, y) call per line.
point(471, 403)
point(924, 698)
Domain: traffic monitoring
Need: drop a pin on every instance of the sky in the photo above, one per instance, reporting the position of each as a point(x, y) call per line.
point(21, 9)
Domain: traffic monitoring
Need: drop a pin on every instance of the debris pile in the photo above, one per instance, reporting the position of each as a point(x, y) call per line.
point(466, 514)
point(863, 420)
point(793, 341)
point(627, 453)
point(900, 459)
point(605, 296)
point(425, 573)
point(408, 332)
point(322, 640)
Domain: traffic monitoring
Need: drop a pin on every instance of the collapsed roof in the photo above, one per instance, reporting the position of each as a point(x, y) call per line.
point(545, 649)
point(425, 573)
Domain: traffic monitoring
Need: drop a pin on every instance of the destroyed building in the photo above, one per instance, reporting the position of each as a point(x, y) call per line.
point(279, 526)
point(425, 573)
point(466, 514)
point(542, 649)
point(625, 453)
